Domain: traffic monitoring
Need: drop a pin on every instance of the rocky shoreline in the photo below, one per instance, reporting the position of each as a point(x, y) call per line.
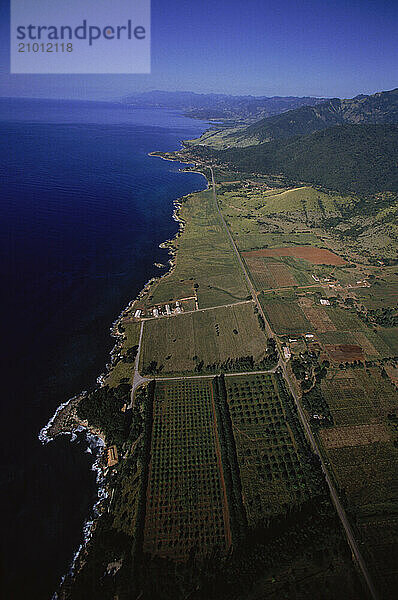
point(66, 421)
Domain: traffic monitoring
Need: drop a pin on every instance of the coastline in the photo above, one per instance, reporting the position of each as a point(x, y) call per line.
point(65, 420)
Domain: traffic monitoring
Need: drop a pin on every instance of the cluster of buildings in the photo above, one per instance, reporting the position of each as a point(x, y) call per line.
point(159, 311)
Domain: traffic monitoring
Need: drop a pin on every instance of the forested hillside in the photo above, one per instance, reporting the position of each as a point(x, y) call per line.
point(349, 158)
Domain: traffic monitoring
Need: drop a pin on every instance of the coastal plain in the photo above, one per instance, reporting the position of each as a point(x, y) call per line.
point(264, 359)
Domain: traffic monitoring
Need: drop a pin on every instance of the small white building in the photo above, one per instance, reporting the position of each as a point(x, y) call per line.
point(286, 352)
point(168, 311)
point(137, 313)
point(324, 302)
point(155, 312)
point(309, 336)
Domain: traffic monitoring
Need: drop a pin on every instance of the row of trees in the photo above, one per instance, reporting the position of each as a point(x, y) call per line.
point(238, 519)
point(385, 317)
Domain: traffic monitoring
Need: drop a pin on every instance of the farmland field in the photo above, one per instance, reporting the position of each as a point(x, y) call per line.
point(261, 218)
point(317, 256)
point(336, 337)
point(362, 450)
point(285, 315)
point(390, 338)
point(344, 352)
point(381, 346)
point(345, 319)
point(179, 344)
point(270, 447)
point(356, 397)
point(318, 316)
point(186, 502)
point(269, 274)
point(205, 259)
point(384, 292)
point(253, 238)
point(371, 342)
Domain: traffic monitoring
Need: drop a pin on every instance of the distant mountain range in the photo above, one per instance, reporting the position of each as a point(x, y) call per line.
point(233, 109)
point(378, 108)
point(347, 145)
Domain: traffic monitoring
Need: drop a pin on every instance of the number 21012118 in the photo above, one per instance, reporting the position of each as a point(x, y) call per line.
point(45, 47)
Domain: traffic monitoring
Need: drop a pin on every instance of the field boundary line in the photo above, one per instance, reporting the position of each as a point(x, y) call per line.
point(226, 513)
point(212, 375)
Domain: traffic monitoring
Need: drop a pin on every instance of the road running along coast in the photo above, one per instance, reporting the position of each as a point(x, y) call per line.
point(333, 492)
point(139, 380)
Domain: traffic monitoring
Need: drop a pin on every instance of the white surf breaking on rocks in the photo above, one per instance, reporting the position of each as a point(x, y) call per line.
point(96, 446)
point(43, 435)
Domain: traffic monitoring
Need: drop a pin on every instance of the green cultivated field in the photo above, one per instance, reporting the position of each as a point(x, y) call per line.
point(384, 290)
point(390, 337)
point(336, 337)
point(356, 396)
point(381, 348)
point(372, 343)
point(186, 504)
point(252, 237)
point(271, 447)
point(205, 259)
point(250, 213)
point(285, 315)
point(271, 273)
point(345, 319)
point(179, 344)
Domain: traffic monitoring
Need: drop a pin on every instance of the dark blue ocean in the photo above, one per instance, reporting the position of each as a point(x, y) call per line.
point(83, 210)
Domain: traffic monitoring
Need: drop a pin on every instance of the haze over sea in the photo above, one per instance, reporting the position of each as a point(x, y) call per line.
point(84, 209)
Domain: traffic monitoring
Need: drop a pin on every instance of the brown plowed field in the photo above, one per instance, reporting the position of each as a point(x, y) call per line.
point(317, 256)
point(268, 275)
point(344, 352)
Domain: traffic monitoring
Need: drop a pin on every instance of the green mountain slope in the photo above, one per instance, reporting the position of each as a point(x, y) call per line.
point(349, 158)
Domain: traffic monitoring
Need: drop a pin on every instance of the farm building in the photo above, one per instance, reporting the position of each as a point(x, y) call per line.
point(113, 458)
point(324, 302)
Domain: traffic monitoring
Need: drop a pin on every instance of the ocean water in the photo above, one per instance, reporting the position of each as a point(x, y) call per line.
point(83, 210)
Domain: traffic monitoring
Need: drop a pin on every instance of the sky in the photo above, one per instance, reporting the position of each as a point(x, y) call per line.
point(321, 48)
